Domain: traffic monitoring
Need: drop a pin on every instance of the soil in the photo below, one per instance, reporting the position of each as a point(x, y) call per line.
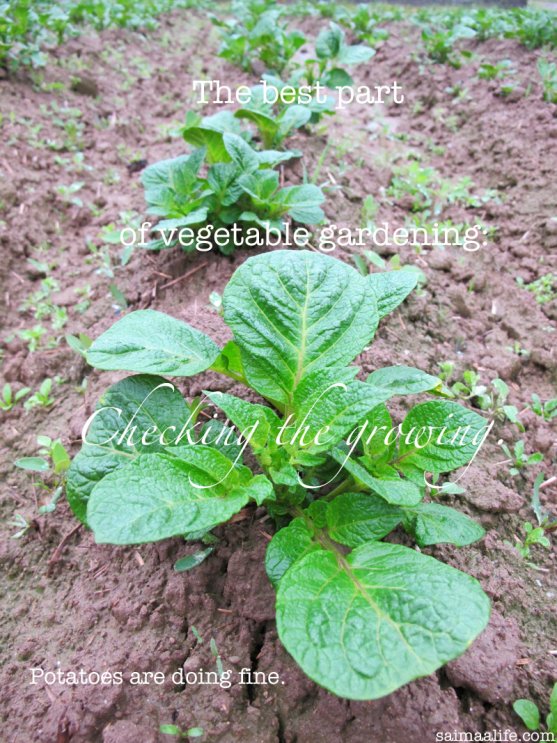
point(71, 604)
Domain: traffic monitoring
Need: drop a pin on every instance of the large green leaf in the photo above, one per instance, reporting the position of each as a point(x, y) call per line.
point(355, 54)
point(286, 547)
point(241, 153)
point(363, 625)
point(178, 173)
point(329, 42)
point(376, 426)
point(158, 496)
point(201, 136)
point(394, 490)
point(294, 311)
point(328, 404)
point(303, 203)
point(356, 518)
point(403, 380)
point(432, 523)
point(392, 288)
point(266, 124)
point(152, 342)
point(293, 117)
point(257, 421)
point(119, 432)
point(439, 436)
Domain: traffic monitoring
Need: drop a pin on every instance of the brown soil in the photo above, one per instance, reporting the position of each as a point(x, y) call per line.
point(99, 608)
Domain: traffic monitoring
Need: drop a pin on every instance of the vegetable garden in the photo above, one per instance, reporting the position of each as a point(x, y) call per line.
point(279, 371)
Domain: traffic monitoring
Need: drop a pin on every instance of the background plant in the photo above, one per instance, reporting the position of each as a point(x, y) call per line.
point(241, 186)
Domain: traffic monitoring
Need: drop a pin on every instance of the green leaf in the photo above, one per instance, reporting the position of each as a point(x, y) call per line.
point(170, 730)
point(439, 436)
point(336, 78)
point(363, 625)
point(158, 496)
point(265, 123)
point(403, 380)
point(329, 42)
point(552, 716)
point(152, 342)
point(241, 153)
point(222, 178)
point(293, 117)
point(528, 713)
point(260, 185)
point(392, 288)
point(286, 547)
point(229, 362)
point(303, 203)
point(192, 561)
point(375, 429)
point(356, 518)
point(124, 414)
point(60, 457)
point(257, 421)
point(328, 404)
point(294, 311)
point(393, 490)
point(259, 489)
point(432, 523)
point(178, 172)
point(34, 464)
point(355, 54)
point(201, 136)
point(271, 158)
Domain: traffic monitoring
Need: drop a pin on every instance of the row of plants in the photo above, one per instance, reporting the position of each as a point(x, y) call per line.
point(533, 27)
point(28, 26)
point(256, 28)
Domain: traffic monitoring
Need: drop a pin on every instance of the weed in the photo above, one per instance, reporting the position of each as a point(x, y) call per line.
point(9, 398)
point(519, 459)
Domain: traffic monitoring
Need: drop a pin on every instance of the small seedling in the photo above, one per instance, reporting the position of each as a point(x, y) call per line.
point(490, 400)
point(488, 71)
point(548, 74)
point(68, 193)
point(546, 410)
point(530, 714)
point(9, 398)
point(518, 458)
point(21, 523)
point(32, 336)
point(534, 535)
point(42, 397)
point(49, 449)
point(179, 733)
point(79, 343)
point(544, 289)
point(216, 655)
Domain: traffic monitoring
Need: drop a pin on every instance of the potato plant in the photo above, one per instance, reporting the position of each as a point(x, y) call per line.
point(255, 31)
point(360, 614)
point(241, 186)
